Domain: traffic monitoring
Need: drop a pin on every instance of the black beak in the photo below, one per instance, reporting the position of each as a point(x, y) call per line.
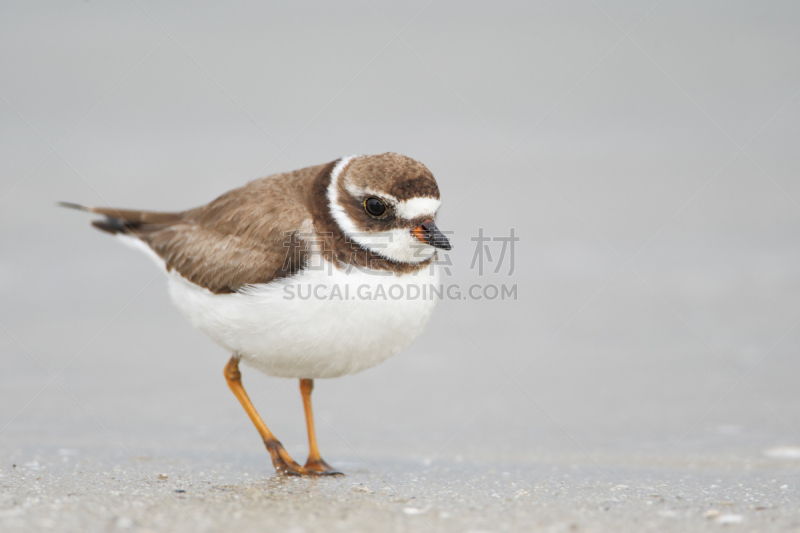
point(428, 233)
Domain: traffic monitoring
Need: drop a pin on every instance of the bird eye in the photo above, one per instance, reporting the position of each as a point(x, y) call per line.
point(374, 207)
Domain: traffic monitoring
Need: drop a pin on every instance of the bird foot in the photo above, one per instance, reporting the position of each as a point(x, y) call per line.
point(283, 462)
point(321, 468)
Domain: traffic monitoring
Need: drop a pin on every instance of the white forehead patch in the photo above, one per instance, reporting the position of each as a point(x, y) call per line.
point(417, 207)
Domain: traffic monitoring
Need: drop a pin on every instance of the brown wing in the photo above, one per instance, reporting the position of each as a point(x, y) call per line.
point(247, 236)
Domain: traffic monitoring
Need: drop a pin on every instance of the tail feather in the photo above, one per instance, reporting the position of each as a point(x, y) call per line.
point(125, 220)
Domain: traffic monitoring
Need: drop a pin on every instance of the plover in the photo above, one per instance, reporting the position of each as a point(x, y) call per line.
point(315, 273)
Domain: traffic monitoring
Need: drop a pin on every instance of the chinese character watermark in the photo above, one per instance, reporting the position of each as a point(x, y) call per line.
point(483, 251)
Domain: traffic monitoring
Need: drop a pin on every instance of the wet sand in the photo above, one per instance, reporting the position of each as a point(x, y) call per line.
point(70, 490)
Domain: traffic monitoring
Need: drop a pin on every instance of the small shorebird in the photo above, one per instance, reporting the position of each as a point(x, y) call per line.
point(243, 267)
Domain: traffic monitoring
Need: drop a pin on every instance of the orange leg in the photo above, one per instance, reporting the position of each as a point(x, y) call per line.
point(284, 464)
point(315, 463)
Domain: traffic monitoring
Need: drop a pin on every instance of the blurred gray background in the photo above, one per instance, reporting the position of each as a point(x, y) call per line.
point(645, 153)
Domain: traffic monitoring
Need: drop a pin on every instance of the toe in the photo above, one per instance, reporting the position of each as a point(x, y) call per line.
point(320, 467)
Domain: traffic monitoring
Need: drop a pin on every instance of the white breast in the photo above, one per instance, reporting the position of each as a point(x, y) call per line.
point(308, 337)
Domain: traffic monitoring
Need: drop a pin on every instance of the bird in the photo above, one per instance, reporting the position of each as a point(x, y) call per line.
point(310, 274)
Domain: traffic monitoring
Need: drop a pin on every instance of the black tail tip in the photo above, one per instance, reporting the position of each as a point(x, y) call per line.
point(113, 226)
